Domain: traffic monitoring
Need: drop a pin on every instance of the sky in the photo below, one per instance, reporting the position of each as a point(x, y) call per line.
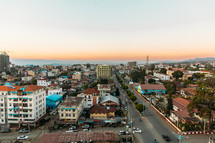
point(107, 29)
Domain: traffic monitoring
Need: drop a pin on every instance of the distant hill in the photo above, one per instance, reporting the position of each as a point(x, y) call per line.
point(201, 59)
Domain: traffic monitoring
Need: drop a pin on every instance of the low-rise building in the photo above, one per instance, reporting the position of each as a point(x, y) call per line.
point(53, 100)
point(162, 76)
point(102, 112)
point(104, 89)
point(109, 100)
point(156, 89)
point(77, 76)
point(71, 109)
point(91, 97)
point(43, 82)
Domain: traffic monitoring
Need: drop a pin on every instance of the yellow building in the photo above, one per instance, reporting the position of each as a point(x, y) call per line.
point(103, 71)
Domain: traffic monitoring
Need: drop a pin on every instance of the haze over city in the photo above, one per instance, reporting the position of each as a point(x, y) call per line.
point(108, 30)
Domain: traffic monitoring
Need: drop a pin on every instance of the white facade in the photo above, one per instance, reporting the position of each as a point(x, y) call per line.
point(3, 107)
point(104, 89)
point(26, 78)
point(55, 91)
point(25, 106)
point(43, 82)
point(89, 99)
point(162, 76)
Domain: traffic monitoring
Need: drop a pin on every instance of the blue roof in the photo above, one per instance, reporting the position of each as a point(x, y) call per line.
point(54, 97)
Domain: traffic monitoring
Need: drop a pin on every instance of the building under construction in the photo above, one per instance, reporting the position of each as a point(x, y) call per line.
point(4, 61)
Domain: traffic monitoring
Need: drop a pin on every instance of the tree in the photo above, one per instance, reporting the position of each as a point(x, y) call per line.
point(33, 81)
point(151, 80)
point(138, 76)
point(169, 105)
point(177, 74)
point(139, 107)
point(163, 71)
point(170, 87)
point(117, 91)
point(203, 101)
point(133, 97)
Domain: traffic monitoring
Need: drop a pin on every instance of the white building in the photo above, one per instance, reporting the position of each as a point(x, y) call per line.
point(77, 76)
point(27, 78)
point(91, 97)
point(104, 89)
point(43, 82)
point(162, 76)
point(55, 90)
point(24, 104)
point(3, 107)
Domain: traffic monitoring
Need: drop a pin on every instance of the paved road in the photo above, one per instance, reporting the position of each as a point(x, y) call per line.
point(153, 126)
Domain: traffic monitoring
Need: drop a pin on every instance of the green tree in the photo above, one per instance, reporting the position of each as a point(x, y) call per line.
point(151, 80)
point(177, 74)
point(138, 76)
point(33, 81)
point(169, 105)
point(133, 97)
point(163, 71)
point(117, 91)
point(139, 107)
point(170, 87)
point(204, 102)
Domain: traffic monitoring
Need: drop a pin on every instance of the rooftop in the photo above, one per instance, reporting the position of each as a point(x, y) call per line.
point(54, 97)
point(72, 101)
point(152, 87)
point(91, 91)
point(27, 88)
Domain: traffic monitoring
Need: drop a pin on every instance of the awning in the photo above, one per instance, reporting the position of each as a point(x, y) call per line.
point(61, 108)
point(15, 98)
point(25, 114)
point(24, 98)
point(15, 108)
point(30, 98)
point(73, 108)
point(10, 114)
point(16, 114)
point(9, 109)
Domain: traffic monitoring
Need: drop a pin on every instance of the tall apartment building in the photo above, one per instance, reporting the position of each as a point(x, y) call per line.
point(4, 61)
point(24, 105)
point(132, 64)
point(103, 71)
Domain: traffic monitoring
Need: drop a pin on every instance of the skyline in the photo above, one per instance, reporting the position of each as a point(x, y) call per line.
point(108, 30)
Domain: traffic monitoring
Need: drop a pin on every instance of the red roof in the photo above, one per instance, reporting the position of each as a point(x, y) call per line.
point(183, 102)
point(15, 88)
point(99, 108)
point(152, 87)
point(91, 91)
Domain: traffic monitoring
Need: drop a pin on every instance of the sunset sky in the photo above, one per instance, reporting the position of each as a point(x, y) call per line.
point(107, 29)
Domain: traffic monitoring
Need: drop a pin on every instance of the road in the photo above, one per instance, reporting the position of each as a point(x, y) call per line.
point(153, 126)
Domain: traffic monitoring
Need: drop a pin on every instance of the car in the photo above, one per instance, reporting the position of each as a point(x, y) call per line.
point(123, 132)
point(166, 138)
point(155, 141)
point(137, 131)
point(86, 126)
point(125, 108)
point(72, 131)
point(6, 131)
point(23, 137)
point(86, 130)
point(73, 128)
point(23, 131)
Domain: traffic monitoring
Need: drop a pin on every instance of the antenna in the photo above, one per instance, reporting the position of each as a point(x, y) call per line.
point(147, 60)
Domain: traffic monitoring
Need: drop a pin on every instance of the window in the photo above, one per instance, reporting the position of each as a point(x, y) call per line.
point(73, 115)
point(61, 115)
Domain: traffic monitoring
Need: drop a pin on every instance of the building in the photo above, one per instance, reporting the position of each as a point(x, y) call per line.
point(78, 137)
point(53, 100)
point(26, 105)
point(71, 109)
point(156, 89)
point(102, 112)
point(188, 92)
point(77, 76)
point(180, 113)
point(109, 100)
point(3, 108)
point(104, 89)
point(103, 71)
point(43, 82)
point(162, 76)
point(132, 64)
point(91, 97)
point(54, 89)
point(4, 61)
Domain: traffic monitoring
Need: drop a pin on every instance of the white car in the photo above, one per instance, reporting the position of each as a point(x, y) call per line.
point(23, 137)
point(137, 131)
point(86, 130)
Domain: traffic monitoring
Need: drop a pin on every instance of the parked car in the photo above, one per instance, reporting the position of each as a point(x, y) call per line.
point(86, 126)
point(23, 137)
point(73, 128)
point(72, 131)
point(123, 132)
point(86, 130)
point(6, 131)
point(137, 131)
point(23, 131)
point(166, 138)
